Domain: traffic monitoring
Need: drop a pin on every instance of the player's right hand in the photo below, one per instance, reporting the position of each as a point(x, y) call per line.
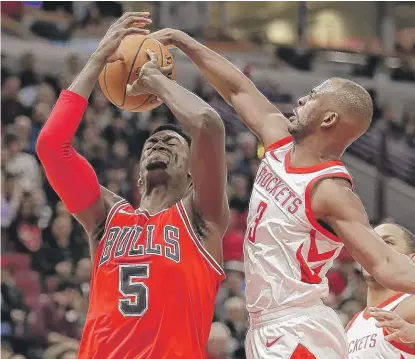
point(397, 328)
point(128, 24)
point(166, 36)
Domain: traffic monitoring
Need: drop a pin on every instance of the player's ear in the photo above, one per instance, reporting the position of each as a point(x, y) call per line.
point(330, 119)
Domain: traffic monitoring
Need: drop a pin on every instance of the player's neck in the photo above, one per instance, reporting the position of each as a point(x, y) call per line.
point(311, 151)
point(376, 294)
point(159, 198)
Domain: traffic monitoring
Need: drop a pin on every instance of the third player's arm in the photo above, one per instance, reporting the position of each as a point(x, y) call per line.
point(257, 113)
point(334, 202)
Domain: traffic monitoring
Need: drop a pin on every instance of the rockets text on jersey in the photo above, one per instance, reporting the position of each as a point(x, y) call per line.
point(153, 288)
point(367, 341)
point(287, 251)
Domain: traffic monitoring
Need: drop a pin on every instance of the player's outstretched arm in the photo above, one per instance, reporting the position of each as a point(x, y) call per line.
point(207, 158)
point(335, 203)
point(257, 113)
point(70, 175)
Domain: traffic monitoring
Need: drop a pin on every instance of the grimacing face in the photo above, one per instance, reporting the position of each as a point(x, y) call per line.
point(393, 236)
point(165, 154)
point(309, 114)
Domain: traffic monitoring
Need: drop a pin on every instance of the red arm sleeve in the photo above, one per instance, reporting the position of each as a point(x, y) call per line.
point(69, 174)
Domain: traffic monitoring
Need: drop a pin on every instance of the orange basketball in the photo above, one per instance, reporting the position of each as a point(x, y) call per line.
point(115, 76)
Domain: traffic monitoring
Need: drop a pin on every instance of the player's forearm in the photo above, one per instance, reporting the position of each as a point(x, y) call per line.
point(220, 73)
point(69, 174)
point(192, 112)
point(397, 272)
point(84, 83)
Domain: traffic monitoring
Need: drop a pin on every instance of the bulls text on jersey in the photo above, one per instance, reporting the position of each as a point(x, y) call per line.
point(124, 241)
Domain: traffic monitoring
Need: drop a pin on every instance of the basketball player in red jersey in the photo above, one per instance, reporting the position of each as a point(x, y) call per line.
point(373, 333)
point(302, 209)
point(156, 269)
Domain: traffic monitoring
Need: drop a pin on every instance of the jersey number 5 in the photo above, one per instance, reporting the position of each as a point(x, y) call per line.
point(259, 213)
point(128, 287)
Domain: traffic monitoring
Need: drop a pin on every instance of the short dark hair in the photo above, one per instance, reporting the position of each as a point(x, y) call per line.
point(174, 128)
point(409, 238)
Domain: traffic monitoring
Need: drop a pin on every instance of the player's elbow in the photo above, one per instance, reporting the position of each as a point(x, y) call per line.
point(43, 145)
point(210, 122)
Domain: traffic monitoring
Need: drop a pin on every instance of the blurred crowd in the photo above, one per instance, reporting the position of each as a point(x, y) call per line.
point(45, 259)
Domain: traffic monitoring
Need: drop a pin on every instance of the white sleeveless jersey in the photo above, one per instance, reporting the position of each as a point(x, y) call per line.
point(287, 252)
point(366, 341)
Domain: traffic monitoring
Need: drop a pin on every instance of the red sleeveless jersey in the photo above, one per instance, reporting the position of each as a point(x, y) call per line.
point(153, 288)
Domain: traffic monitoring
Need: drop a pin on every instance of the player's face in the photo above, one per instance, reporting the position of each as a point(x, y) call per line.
point(165, 154)
point(393, 236)
point(310, 111)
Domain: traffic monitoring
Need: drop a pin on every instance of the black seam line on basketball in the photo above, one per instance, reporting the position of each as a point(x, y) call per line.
point(143, 103)
point(161, 54)
point(131, 69)
point(106, 87)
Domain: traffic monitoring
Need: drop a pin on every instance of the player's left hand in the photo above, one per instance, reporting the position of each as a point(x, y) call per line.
point(397, 328)
point(145, 80)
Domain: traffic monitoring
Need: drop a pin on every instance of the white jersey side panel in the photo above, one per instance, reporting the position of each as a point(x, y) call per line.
point(287, 253)
point(367, 341)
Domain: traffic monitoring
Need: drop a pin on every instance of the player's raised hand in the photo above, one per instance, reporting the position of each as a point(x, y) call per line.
point(144, 82)
point(166, 36)
point(128, 24)
point(397, 328)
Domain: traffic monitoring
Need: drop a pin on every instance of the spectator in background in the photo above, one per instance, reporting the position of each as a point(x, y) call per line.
point(55, 319)
point(23, 129)
point(220, 342)
point(13, 310)
point(59, 250)
point(236, 321)
point(28, 75)
point(22, 165)
point(11, 197)
point(24, 231)
point(10, 104)
point(83, 275)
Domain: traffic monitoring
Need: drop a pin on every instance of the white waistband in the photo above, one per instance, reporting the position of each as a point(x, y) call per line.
point(260, 319)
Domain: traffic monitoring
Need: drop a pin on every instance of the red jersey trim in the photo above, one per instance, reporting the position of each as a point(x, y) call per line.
point(400, 346)
point(310, 169)
point(308, 210)
point(390, 300)
point(282, 142)
point(116, 206)
point(192, 234)
point(349, 325)
point(386, 302)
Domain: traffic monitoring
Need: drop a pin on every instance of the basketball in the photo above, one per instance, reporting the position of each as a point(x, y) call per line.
point(115, 76)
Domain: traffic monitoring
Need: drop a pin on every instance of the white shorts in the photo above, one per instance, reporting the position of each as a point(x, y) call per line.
point(314, 332)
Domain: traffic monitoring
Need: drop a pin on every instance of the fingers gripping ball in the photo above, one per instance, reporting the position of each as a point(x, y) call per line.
point(117, 75)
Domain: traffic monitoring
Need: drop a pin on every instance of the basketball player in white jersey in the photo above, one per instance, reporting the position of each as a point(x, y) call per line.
point(368, 338)
point(302, 210)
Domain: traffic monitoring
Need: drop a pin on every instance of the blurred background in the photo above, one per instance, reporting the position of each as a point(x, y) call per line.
point(286, 48)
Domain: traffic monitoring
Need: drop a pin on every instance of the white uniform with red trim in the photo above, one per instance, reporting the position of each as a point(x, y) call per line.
point(367, 341)
point(287, 255)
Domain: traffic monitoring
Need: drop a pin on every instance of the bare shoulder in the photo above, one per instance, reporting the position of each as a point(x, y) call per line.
point(406, 309)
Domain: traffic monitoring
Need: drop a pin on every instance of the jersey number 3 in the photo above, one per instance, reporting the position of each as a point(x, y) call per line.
point(129, 287)
point(259, 213)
